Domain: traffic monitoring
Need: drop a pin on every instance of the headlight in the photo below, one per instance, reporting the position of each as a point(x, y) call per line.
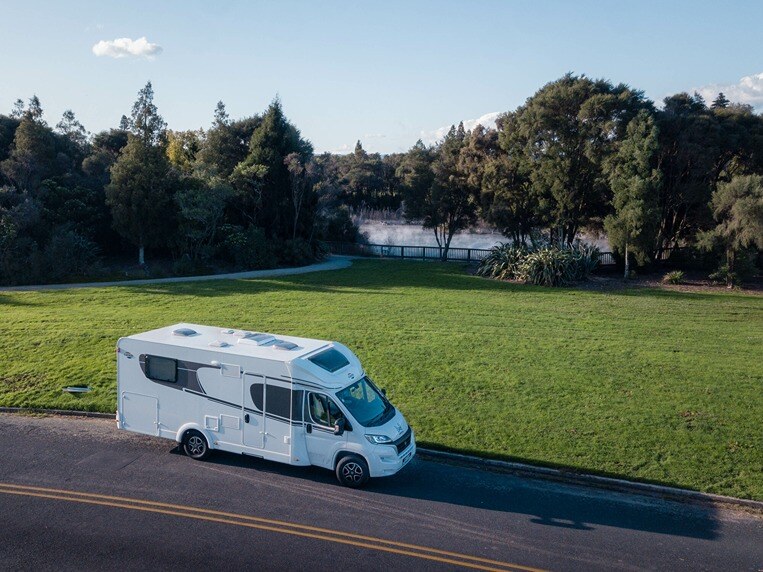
point(378, 439)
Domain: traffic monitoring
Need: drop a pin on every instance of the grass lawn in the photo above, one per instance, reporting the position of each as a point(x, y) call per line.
point(646, 384)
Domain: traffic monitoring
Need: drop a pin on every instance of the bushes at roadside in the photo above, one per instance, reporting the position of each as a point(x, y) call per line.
point(546, 266)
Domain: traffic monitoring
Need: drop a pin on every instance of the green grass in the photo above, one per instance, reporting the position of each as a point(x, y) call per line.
point(646, 384)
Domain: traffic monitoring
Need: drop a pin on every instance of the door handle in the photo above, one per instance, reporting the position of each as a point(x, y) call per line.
point(309, 428)
point(246, 418)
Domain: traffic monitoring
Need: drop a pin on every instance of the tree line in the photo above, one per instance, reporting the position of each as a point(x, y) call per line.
point(588, 154)
point(579, 154)
point(245, 193)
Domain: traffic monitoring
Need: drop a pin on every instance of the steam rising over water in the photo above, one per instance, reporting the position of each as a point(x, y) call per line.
point(414, 235)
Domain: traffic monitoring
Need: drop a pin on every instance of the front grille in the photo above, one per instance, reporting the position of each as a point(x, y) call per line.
point(404, 441)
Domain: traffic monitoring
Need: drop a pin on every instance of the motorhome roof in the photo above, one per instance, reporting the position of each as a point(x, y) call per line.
point(233, 341)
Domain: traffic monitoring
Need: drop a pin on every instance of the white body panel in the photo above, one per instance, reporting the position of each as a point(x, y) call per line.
point(248, 398)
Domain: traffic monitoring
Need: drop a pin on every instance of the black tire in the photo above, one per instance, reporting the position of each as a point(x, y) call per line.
point(352, 471)
point(195, 445)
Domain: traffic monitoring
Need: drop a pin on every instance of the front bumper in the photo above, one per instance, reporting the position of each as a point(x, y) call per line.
point(386, 461)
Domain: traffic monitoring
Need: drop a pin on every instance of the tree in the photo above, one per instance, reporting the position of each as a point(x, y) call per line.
point(140, 191)
point(738, 210)
point(200, 212)
point(72, 129)
point(416, 177)
point(635, 181)
point(302, 179)
point(363, 178)
point(225, 144)
point(145, 121)
point(33, 156)
point(508, 201)
point(182, 149)
point(449, 204)
point(720, 102)
point(261, 181)
point(18, 109)
point(565, 132)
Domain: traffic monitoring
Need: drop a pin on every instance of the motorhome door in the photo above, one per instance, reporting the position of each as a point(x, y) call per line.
point(269, 405)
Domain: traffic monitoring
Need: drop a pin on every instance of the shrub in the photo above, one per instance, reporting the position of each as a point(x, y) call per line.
point(674, 277)
point(337, 226)
point(547, 266)
point(294, 252)
point(68, 254)
point(744, 269)
point(586, 259)
point(247, 248)
point(502, 262)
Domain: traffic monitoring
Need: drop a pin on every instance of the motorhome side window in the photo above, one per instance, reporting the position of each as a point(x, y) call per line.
point(161, 369)
point(277, 401)
point(323, 410)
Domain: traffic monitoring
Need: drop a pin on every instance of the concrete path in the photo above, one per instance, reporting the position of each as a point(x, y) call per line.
point(332, 263)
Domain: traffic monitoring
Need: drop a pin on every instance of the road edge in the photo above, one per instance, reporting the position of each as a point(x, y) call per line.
point(519, 469)
point(594, 481)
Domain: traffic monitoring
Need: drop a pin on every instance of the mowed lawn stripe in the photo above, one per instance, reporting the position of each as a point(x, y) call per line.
point(649, 384)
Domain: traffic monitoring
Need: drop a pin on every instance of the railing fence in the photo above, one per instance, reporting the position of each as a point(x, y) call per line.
point(607, 260)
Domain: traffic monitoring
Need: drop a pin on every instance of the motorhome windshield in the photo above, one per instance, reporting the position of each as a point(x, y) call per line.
point(366, 403)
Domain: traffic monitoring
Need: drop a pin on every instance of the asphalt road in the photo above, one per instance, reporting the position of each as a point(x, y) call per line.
point(78, 494)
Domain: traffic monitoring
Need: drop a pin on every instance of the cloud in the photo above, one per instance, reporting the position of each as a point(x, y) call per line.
point(342, 149)
point(747, 90)
point(125, 48)
point(487, 120)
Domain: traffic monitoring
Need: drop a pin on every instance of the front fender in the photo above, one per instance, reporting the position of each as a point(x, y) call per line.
point(199, 428)
point(345, 448)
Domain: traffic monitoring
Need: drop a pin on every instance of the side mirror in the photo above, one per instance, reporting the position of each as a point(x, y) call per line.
point(339, 426)
point(384, 392)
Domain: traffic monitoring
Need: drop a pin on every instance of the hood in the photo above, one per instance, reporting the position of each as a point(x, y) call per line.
point(394, 428)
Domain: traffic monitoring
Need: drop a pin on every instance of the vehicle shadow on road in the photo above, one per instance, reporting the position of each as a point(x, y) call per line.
point(545, 503)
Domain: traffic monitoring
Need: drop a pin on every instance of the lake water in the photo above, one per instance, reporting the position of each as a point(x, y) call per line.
point(414, 235)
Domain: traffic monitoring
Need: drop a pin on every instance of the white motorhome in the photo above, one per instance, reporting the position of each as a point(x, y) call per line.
point(294, 400)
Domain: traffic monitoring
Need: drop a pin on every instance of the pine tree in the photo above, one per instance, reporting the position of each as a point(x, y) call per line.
point(141, 187)
point(720, 102)
point(221, 116)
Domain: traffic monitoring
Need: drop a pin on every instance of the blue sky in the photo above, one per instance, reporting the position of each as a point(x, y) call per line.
point(385, 72)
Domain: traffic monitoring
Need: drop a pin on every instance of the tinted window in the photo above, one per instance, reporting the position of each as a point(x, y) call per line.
point(331, 360)
point(257, 395)
point(161, 369)
point(277, 402)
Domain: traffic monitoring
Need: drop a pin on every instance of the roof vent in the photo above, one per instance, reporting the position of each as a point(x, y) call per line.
point(284, 345)
point(257, 339)
point(184, 332)
point(219, 344)
point(260, 339)
point(227, 332)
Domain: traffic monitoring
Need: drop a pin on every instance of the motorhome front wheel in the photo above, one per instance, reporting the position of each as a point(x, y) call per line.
point(352, 471)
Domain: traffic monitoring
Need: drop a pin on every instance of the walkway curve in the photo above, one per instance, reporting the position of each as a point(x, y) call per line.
point(332, 263)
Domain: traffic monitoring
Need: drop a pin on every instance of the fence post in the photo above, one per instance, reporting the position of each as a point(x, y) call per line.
point(468, 254)
point(402, 252)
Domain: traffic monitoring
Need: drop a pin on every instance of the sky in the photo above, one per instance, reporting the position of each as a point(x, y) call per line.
point(386, 72)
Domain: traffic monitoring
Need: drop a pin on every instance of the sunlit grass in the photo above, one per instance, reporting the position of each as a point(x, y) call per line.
point(647, 384)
